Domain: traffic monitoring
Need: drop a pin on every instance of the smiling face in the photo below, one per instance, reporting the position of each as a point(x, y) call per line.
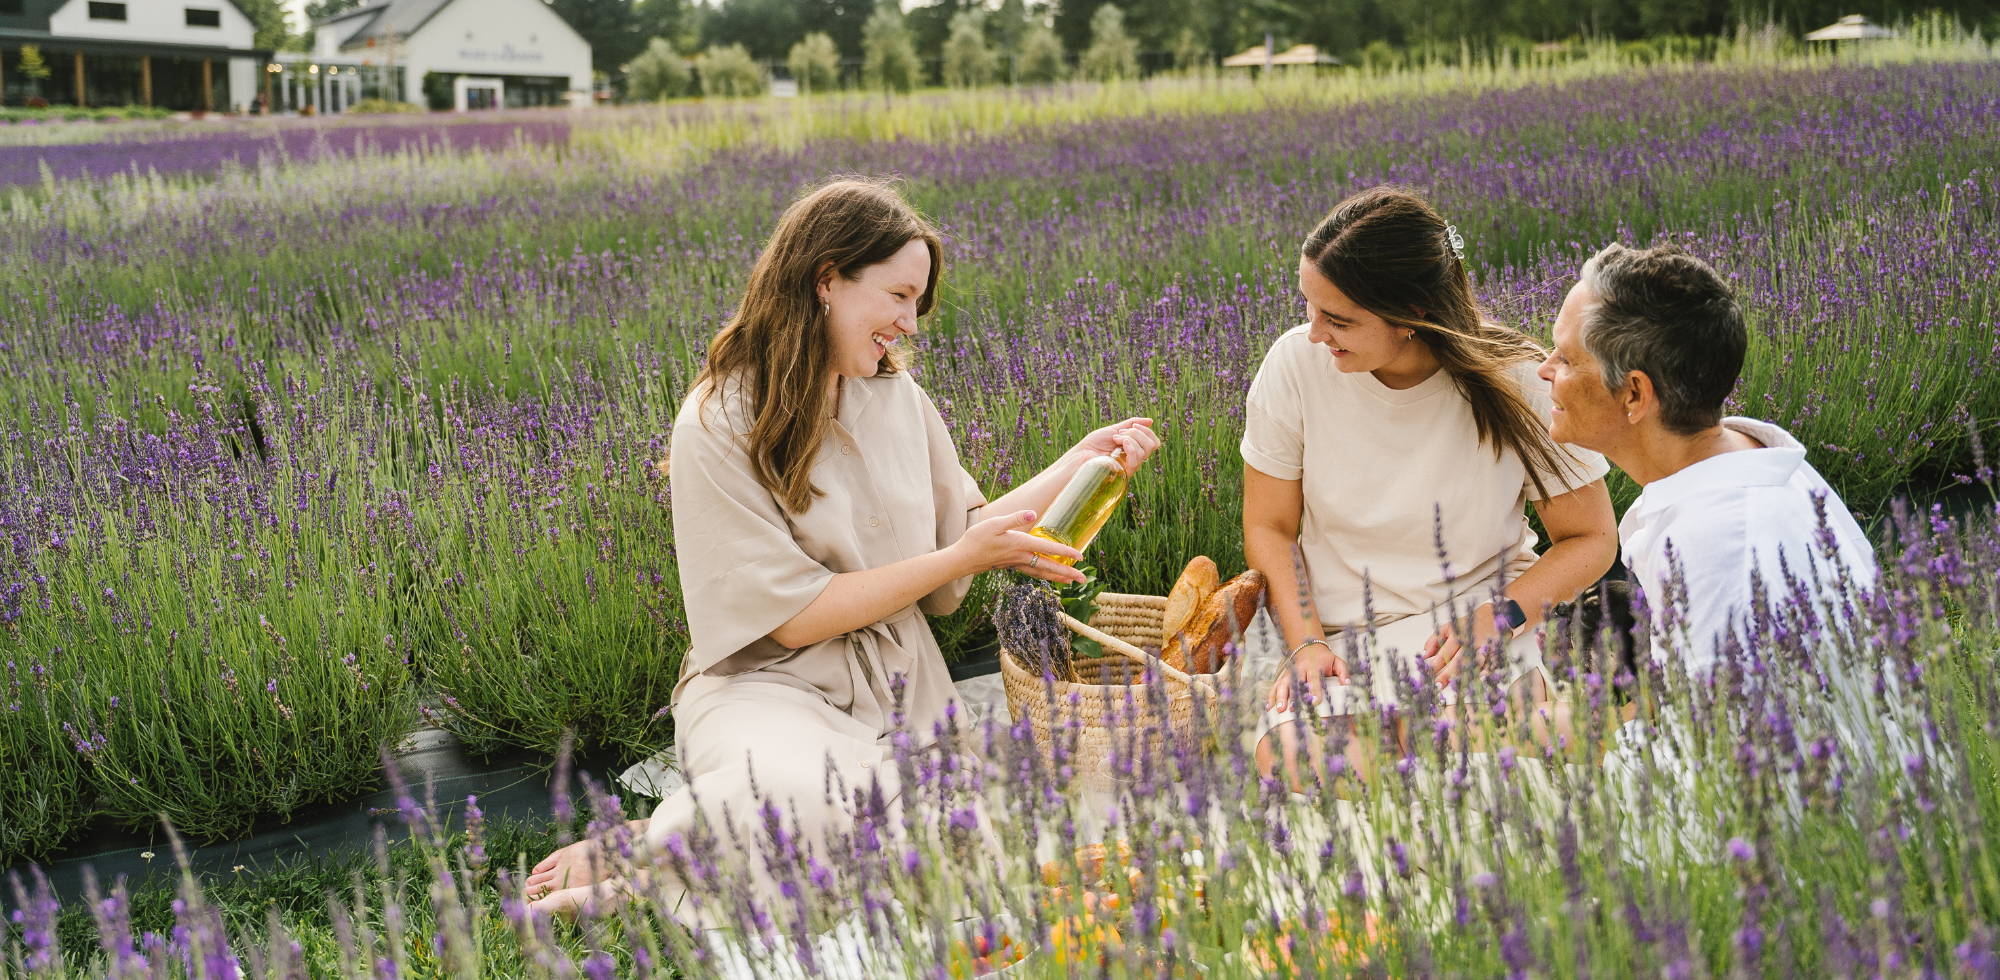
point(1359, 340)
point(876, 309)
point(1586, 413)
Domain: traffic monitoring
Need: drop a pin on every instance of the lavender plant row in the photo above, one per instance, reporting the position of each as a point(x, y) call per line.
point(1520, 168)
point(409, 412)
point(268, 145)
point(1822, 805)
point(220, 620)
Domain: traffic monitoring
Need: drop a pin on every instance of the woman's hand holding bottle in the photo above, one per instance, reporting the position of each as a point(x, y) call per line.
point(1135, 436)
point(1004, 542)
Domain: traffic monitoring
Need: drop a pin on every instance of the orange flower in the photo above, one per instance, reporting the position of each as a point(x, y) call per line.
point(1336, 951)
point(980, 959)
point(1076, 938)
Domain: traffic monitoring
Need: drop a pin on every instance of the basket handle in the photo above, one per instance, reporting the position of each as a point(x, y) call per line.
point(1127, 650)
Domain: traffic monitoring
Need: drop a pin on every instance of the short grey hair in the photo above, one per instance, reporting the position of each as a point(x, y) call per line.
point(1668, 315)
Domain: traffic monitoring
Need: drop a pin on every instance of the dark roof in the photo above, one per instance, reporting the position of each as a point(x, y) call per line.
point(64, 44)
point(380, 19)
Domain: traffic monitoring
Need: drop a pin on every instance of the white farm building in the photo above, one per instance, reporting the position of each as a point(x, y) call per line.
point(176, 54)
point(446, 54)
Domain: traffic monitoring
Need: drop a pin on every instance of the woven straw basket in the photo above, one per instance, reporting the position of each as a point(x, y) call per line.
point(1113, 710)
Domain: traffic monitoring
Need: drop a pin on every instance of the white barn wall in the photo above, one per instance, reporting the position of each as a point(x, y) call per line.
point(495, 37)
point(160, 22)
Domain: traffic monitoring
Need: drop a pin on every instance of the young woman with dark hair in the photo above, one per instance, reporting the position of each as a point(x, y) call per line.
point(820, 511)
point(1397, 423)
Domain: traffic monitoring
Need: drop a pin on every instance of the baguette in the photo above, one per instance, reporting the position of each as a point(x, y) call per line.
point(1230, 610)
point(1197, 582)
point(1181, 653)
point(1207, 620)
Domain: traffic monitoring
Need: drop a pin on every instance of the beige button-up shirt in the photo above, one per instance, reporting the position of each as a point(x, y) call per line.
point(893, 489)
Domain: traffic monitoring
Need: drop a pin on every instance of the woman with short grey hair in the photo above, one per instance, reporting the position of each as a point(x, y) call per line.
point(1648, 347)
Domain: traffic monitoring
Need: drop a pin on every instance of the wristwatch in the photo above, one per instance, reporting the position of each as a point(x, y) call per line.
point(1511, 612)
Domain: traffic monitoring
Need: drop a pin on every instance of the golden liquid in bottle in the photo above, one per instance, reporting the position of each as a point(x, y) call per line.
point(1080, 511)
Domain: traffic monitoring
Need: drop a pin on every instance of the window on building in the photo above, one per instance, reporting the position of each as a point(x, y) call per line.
point(106, 11)
point(198, 17)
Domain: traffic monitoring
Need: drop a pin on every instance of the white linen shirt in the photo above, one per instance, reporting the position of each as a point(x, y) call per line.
point(1724, 518)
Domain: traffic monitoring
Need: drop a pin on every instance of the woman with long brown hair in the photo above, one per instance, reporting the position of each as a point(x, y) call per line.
point(1396, 440)
point(820, 511)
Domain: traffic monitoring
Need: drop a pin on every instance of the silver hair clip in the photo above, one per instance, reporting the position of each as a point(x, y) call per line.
point(1451, 238)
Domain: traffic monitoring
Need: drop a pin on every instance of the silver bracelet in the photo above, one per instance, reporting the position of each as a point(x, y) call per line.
point(1302, 646)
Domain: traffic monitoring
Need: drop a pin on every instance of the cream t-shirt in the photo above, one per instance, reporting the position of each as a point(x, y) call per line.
point(1385, 475)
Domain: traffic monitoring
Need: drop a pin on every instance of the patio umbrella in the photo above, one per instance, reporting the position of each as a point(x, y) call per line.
point(1298, 54)
point(1852, 27)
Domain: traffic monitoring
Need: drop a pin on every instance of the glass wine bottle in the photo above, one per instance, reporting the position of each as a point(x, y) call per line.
point(1080, 511)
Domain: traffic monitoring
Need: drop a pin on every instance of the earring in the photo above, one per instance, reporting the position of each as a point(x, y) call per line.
point(1409, 335)
point(826, 309)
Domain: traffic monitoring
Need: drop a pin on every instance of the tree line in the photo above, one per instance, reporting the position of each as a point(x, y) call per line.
point(651, 43)
point(890, 58)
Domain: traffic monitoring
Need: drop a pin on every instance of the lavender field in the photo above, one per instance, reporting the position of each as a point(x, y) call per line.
point(301, 449)
point(79, 153)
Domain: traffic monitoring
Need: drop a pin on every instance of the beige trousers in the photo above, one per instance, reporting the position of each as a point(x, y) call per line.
point(751, 739)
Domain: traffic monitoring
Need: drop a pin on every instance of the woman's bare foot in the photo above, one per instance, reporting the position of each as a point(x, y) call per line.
point(573, 868)
point(568, 903)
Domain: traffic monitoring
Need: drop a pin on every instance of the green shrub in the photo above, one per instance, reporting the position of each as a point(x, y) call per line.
point(1191, 53)
point(14, 114)
point(815, 63)
point(658, 73)
point(1113, 54)
point(1041, 59)
point(888, 54)
point(385, 107)
point(968, 62)
point(731, 72)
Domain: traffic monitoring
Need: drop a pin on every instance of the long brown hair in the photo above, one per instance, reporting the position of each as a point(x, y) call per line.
point(1393, 256)
point(776, 345)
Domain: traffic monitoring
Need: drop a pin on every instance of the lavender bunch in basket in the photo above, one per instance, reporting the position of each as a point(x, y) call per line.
point(1028, 617)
